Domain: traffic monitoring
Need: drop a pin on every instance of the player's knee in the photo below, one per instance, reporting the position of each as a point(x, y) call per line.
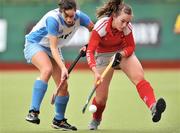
point(137, 78)
point(47, 72)
point(101, 100)
point(64, 89)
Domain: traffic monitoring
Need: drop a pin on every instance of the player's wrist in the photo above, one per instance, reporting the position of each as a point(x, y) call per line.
point(94, 69)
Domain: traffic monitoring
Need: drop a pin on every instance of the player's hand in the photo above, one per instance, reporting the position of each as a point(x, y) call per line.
point(64, 74)
point(83, 50)
point(97, 76)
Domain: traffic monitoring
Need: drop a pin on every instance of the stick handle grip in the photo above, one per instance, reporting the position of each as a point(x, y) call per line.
point(75, 61)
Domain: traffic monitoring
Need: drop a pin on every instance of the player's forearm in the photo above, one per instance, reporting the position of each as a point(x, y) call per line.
point(90, 58)
point(94, 69)
point(92, 46)
point(55, 54)
point(128, 51)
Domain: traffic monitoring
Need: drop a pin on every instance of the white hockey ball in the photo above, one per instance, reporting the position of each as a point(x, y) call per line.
point(92, 108)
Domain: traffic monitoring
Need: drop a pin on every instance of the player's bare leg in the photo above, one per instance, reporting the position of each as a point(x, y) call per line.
point(133, 69)
point(59, 122)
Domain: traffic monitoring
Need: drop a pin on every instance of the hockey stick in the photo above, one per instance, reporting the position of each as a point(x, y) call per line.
point(114, 62)
point(81, 54)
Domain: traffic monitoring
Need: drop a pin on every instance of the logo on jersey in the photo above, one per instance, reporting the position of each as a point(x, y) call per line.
point(65, 36)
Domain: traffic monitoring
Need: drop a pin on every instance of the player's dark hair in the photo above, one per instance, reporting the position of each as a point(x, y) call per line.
point(112, 6)
point(67, 4)
point(124, 8)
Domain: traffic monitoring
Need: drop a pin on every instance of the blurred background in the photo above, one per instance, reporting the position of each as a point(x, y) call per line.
point(154, 20)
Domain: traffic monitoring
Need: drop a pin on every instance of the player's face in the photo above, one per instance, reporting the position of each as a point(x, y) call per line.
point(69, 16)
point(121, 21)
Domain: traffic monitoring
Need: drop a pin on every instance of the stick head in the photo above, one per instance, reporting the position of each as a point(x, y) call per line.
point(84, 108)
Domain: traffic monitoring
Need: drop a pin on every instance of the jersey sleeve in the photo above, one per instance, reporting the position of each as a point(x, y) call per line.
point(52, 26)
point(129, 40)
point(93, 43)
point(130, 45)
point(84, 19)
point(101, 25)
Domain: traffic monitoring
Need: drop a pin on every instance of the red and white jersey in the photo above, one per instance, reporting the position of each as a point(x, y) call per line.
point(105, 39)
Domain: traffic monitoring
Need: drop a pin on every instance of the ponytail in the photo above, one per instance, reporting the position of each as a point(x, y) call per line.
point(108, 8)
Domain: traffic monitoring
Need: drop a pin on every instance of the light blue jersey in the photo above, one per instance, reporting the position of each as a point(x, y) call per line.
point(52, 23)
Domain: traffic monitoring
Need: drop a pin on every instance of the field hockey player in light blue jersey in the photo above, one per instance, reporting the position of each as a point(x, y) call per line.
point(60, 27)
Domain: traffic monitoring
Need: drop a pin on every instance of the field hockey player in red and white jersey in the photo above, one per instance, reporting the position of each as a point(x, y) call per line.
point(113, 33)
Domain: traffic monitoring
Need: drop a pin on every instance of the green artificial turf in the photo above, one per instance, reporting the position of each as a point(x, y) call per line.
point(125, 112)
